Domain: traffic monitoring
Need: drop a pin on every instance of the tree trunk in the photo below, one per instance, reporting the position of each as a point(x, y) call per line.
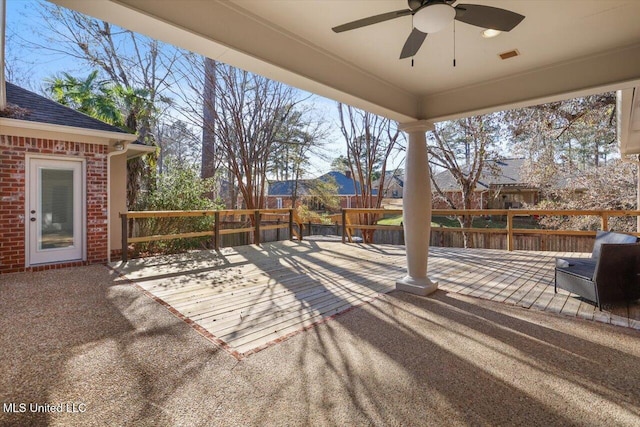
point(466, 221)
point(230, 197)
point(208, 168)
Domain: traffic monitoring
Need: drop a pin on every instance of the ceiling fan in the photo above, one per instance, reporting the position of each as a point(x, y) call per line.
point(431, 16)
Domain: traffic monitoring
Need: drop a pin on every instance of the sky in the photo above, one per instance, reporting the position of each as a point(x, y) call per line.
point(22, 18)
point(30, 68)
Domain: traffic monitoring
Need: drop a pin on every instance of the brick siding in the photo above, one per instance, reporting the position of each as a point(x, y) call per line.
point(477, 202)
point(13, 151)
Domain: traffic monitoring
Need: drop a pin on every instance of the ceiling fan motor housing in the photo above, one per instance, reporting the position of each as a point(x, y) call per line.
point(433, 17)
point(414, 5)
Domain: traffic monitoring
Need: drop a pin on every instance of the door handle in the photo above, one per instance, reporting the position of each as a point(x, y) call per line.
point(33, 219)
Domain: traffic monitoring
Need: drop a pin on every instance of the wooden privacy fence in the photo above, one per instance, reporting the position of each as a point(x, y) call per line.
point(283, 218)
point(576, 240)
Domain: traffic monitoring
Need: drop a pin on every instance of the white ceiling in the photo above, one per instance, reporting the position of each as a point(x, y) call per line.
point(567, 47)
point(553, 31)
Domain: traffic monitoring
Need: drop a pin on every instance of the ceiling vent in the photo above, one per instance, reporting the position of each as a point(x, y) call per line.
point(510, 54)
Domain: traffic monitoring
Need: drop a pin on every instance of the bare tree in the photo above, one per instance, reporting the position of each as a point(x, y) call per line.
point(209, 161)
point(252, 127)
point(462, 147)
point(371, 141)
point(17, 70)
point(578, 132)
point(612, 186)
point(569, 146)
point(178, 142)
point(252, 110)
point(243, 122)
point(137, 63)
point(302, 135)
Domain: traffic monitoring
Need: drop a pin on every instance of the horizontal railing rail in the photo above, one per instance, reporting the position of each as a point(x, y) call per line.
point(257, 216)
point(509, 230)
point(350, 222)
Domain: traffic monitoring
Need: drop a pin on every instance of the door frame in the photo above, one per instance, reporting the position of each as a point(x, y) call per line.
point(29, 187)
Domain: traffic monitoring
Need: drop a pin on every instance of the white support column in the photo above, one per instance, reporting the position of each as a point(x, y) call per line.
point(416, 203)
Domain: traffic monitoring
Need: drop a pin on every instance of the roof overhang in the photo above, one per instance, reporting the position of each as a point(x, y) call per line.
point(226, 33)
point(291, 42)
point(582, 77)
point(137, 150)
point(30, 129)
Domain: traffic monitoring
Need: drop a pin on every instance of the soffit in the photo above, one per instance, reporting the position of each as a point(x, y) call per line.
point(567, 48)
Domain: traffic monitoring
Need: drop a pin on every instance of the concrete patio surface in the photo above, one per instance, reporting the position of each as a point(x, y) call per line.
point(78, 336)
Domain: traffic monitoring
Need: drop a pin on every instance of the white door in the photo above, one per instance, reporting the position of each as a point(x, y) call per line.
point(55, 211)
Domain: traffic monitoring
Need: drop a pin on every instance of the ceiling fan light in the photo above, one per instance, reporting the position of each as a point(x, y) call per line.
point(434, 17)
point(490, 33)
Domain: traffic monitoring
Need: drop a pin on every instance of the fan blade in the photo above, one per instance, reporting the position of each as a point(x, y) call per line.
point(371, 20)
point(413, 43)
point(488, 17)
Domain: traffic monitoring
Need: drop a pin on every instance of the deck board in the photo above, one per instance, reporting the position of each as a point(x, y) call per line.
point(250, 296)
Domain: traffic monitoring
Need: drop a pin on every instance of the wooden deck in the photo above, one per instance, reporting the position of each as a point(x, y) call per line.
point(248, 297)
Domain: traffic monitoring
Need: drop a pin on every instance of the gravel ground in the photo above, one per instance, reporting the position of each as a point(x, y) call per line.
point(84, 342)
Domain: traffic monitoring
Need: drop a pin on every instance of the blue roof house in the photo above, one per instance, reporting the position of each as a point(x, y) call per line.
point(281, 193)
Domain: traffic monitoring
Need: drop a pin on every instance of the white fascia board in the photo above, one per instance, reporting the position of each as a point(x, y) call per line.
point(18, 127)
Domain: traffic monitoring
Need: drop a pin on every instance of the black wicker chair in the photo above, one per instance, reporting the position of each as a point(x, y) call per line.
point(611, 274)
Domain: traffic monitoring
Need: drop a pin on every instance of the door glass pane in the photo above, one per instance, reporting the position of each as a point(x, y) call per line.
point(56, 210)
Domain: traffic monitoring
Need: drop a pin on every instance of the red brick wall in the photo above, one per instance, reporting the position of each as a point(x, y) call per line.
point(13, 150)
point(456, 197)
point(272, 202)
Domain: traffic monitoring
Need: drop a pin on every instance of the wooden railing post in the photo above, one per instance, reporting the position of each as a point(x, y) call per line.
point(604, 220)
point(256, 217)
point(278, 230)
point(509, 231)
point(216, 231)
point(290, 224)
point(125, 237)
point(344, 226)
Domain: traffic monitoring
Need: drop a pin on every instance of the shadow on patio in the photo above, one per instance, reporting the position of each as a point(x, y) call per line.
point(450, 360)
point(72, 336)
point(82, 335)
point(245, 298)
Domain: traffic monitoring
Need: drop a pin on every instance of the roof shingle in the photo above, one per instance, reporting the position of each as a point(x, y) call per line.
point(495, 173)
point(42, 110)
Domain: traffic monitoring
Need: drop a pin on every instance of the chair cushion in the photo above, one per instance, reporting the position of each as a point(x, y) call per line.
point(583, 267)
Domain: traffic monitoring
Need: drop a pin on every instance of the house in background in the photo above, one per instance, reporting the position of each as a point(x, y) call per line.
point(62, 184)
point(500, 186)
point(393, 187)
point(280, 193)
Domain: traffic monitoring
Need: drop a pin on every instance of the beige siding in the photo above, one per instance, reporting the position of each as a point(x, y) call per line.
point(117, 199)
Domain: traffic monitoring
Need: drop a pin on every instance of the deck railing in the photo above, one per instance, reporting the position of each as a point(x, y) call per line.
point(288, 219)
point(257, 216)
point(510, 231)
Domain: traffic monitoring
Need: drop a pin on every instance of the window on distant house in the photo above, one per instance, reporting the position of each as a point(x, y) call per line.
point(279, 203)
